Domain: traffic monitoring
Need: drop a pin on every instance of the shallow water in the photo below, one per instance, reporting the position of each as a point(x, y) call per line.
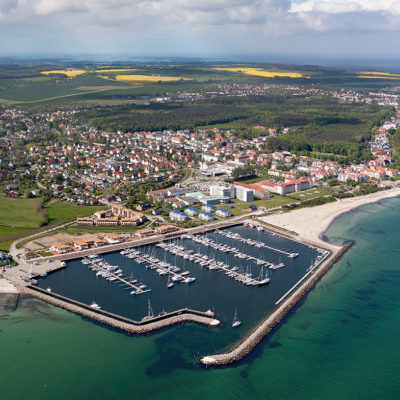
point(341, 342)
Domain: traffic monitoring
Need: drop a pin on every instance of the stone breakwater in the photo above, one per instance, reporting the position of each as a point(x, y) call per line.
point(245, 347)
point(117, 321)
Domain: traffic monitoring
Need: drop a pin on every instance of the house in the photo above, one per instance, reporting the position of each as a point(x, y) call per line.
point(223, 212)
point(208, 208)
point(99, 242)
point(191, 211)
point(81, 244)
point(163, 229)
point(206, 216)
point(60, 248)
point(177, 216)
point(144, 233)
point(143, 206)
point(113, 238)
point(111, 221)
point(88, 221)
point(134, 221)
point(29, 255)
point(102, 214)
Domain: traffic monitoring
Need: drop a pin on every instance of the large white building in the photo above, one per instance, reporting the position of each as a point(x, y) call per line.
point(244, 194)
point(228, 191)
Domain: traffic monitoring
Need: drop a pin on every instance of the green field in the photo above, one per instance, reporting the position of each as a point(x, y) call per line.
point(19, 213)
point(24, 83)
point(59, 211)
point(316, 192)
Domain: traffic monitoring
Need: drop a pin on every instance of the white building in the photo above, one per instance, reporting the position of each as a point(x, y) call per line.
point(223, 212)
point(178, 216)
point(206, 216)
point(228, 191)
point(244, 194)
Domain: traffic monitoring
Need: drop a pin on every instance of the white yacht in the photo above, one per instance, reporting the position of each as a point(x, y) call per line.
point(95, 306)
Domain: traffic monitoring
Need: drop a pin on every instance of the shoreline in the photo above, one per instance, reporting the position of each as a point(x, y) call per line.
point(311, 223)
point(245, 347)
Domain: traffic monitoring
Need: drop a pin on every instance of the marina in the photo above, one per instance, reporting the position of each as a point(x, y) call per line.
point(113, 273)
point(220, 270)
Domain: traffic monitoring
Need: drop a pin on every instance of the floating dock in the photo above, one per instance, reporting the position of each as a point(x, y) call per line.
point(136, 289)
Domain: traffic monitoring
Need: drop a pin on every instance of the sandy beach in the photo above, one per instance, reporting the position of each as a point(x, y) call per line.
point(311, 222)
point(6, 287)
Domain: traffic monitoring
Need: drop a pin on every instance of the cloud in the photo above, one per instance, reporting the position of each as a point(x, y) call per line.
point(241, 25)
point(348, 15)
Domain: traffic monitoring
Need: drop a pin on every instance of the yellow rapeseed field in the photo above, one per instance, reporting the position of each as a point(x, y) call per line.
point(262, 72)
point(70, 73)
point(147, 78)
point(377, 75)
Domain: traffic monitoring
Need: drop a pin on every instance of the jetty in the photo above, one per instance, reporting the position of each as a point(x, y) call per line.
point(245, 347)
point(114, 277)
point(118, 321)
point(256, 243)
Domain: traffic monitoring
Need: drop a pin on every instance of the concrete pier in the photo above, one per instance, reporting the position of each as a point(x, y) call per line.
point(245, 347)
point(117, 321)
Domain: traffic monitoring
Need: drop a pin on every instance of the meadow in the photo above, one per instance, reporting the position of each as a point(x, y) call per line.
point(20, 213)
point(60, 211)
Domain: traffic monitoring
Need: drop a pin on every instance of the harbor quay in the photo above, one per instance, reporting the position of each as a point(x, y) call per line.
point(265, 327)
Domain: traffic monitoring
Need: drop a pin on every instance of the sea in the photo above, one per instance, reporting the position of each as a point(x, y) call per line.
point(340, 342)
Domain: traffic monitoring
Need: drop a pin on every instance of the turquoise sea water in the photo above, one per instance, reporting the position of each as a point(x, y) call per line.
point(341, 342)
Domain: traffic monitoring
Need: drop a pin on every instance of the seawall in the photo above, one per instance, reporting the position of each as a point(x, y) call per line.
point(245, 347)
point(117, 321)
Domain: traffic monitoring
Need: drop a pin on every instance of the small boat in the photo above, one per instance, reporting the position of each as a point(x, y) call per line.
point(48, 290)
point(150, 313)
point(236, 322)
point(170, 284)
point(95, 306)
point(43, 275)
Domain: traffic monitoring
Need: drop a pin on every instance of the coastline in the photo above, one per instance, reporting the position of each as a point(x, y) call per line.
point(312, 222)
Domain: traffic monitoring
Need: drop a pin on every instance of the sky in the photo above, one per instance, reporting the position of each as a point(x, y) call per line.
point(202, 28)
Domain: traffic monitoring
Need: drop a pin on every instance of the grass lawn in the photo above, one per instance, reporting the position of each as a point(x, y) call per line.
point(236, 211)
point(19, 213)
point(62, 210)
point(5, 246)
point(274, 201)
point(319, 191)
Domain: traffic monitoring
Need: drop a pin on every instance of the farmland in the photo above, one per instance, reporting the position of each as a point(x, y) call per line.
point(147, 78)
point(263, 73)
point(62, 83)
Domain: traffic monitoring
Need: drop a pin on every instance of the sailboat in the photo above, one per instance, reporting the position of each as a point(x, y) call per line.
point(170, 284)
point(261, 280)
point(150, 313)
point(236, 322)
